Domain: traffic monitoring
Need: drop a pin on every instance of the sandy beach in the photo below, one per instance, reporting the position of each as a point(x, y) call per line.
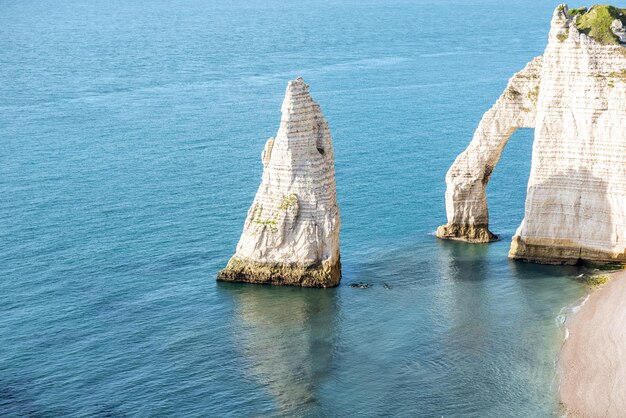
point(593, 358)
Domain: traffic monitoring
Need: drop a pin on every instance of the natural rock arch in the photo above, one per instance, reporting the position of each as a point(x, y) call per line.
point(467, 179)
point(575, 98)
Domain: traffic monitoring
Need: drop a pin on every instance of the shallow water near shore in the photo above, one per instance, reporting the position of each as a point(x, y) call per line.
point(130, 141)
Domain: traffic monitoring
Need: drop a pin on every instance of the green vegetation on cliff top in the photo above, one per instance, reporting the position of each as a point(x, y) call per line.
point(578, 11)
point(596, 21)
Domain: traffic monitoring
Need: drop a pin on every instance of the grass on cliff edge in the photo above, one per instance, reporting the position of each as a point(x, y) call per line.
point(596, 21)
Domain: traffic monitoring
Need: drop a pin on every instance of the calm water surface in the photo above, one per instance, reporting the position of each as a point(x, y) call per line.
point(130, 141)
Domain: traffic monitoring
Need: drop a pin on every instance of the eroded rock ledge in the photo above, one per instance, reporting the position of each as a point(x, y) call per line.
point(324, 274)
point(574, 96)
point(469, 233)
point(291, 233)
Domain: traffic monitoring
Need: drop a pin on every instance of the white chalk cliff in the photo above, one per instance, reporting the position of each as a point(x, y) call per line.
point(291, 234)
point(574, 96)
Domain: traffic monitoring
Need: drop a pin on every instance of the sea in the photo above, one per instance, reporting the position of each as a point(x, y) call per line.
point(130, 144)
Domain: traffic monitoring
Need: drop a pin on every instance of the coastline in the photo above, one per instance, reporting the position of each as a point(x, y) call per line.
point(592, 362)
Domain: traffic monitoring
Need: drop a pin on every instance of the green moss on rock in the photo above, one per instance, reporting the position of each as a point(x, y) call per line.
point(577, 11)
point(620, 75)
point(595, 280)
point(596, 22)
point(511, 93)
point(533, 95)
point(288, 202)
point(256, 218)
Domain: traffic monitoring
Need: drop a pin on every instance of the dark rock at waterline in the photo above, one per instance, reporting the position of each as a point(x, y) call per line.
point(360, 285)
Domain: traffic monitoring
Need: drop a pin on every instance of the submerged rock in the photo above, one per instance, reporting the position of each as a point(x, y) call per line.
point(360, 285)
point(575, 98)
point(291, 234)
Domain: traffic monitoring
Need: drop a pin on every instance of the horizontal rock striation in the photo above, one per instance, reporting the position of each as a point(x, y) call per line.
point(291, 234)
point(576, 197)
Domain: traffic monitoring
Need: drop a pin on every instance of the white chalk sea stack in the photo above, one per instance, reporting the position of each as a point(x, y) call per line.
point(574, 96)
point(291, 233)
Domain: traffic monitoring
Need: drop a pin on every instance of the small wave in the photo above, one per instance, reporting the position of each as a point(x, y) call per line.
point(359, 64)
point(577, 307)
point(452, 53)
point(568, 310)
point(561, 320)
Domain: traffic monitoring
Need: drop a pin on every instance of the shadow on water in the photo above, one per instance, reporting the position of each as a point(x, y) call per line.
point(418, 263)
point(15, 400)
point(287, 336)
point(464, 299)
point(533, 271)
point(541, 285)
point(461, 261)
point(498, 309)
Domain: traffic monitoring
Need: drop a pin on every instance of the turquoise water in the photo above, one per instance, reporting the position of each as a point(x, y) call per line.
point(130, 141)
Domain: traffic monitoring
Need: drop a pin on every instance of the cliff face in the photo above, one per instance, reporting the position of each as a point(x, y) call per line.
point(291, 234)
point(575, 98)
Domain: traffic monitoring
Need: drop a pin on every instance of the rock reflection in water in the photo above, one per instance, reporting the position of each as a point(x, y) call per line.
point(288, 336)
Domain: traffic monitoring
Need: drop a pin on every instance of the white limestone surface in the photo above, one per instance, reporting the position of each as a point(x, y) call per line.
point(291, 234)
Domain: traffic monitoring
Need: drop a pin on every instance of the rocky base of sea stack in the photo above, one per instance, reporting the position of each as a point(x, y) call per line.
point(468, 233)
point(325, 274)
point(562, 252)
